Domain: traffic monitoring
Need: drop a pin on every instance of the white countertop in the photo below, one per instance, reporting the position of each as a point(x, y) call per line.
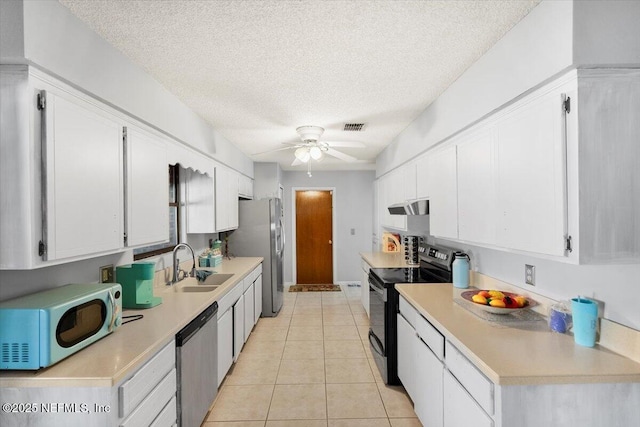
point(517, 355)
point(109, 360)
point(384, 259)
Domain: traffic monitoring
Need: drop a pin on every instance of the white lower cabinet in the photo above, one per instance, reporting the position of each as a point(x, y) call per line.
point(407, 355)
point(257, 297)
point(225, 343)
point(428, 398)
point(460, 409)
point(450, 390)
point(364, 286)
point(238, 311)
point(238, 327)
point(249, 306)
point(147, 397)
point(420, 350)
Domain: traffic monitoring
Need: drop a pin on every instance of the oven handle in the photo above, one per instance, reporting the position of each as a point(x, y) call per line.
point(381, 291)
point(375, 342)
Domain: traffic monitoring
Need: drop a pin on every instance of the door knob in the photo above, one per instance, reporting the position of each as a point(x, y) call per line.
point(330, 242)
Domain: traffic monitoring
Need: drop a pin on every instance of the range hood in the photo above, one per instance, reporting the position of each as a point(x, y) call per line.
point(416, 207)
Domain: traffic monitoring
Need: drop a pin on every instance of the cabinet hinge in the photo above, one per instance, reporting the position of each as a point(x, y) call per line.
point(567, 244)
point(42, 248)
point(125, 239)
point(124, 134)
point(566, 104)
point(42, 100)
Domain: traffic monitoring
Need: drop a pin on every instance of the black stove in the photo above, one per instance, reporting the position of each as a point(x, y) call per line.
point(391, 276)
point(435, 267)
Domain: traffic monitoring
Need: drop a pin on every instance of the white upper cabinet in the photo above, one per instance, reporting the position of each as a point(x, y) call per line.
point(554, 173)
point(604, 183)
point(512, 175)
point(147, 188)
point(395, 187)
point(422, 171)
point(245, 187)
point(200, 202)
point(531, 174)
point(62, 173)
point(441, 185)
point(226, 183)
point(83, 178)
point(477, 211)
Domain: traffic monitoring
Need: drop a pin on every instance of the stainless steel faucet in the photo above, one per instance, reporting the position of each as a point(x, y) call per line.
point(176, 263)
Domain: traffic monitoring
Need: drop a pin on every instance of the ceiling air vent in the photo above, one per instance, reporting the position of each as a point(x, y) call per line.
point(354, 127)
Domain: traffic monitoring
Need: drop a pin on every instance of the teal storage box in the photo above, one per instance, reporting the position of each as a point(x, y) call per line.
point(137, 285)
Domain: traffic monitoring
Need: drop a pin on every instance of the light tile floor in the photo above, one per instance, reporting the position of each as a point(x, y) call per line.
point(310, 367)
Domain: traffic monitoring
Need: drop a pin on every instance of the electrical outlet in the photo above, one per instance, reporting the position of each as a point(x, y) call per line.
point(106, 274)
point(530, 274)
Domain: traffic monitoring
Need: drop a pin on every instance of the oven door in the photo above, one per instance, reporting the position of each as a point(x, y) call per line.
point(377, 301)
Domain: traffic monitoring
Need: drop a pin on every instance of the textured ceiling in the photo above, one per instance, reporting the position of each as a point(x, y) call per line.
point(256, 70)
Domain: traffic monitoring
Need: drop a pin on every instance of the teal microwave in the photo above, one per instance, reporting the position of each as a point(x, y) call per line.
point(41, 329)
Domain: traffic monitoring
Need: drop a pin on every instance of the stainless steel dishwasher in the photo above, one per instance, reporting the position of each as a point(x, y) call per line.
point(197, 367)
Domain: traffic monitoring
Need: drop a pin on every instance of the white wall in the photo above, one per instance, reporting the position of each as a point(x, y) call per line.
point(59, 43)
point(353, 206)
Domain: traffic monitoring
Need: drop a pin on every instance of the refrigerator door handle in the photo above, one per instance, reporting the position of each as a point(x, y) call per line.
point(282, 237)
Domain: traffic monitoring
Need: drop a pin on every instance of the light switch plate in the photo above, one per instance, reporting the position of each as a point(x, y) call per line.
point(530, 274)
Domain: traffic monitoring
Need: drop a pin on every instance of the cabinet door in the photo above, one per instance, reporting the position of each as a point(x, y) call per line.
point(407, 361)
point(200, 203)
point(225, 344)
point(222, 192)
point(428, 379)
point(531, 176)
point(238, 327)
point(409, 179)
point(84, 179)
point(147, 179)
point(442, 186)
point(232, 201)
point(364, 289)
point(422, 177)
point(459, 407)
point(248, 311)
point(226, 199)
point(476, 188)
point(257, 299)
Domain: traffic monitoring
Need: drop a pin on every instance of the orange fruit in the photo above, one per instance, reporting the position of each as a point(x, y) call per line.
point(479, 299)
point(497, 303)
point(522, 301)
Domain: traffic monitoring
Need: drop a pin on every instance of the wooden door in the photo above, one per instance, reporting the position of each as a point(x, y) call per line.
point(314, 233)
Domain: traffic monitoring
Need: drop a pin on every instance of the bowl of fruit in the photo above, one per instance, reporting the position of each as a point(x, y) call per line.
point(498, 302)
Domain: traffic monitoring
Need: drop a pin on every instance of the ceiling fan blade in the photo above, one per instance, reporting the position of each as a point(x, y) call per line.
point(296, 162)
point(340, 155)
point(346, 144)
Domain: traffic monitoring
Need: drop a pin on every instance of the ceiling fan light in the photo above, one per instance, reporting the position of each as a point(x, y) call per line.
point(316, 153)
point(302, 154)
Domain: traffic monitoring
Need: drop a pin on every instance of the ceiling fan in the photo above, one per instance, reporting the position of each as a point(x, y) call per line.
point(311, 148)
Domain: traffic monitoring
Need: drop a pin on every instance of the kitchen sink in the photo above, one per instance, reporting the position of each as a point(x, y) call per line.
point(215, 279)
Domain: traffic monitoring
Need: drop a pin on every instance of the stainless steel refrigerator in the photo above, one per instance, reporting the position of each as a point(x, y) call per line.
point(260, 233)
